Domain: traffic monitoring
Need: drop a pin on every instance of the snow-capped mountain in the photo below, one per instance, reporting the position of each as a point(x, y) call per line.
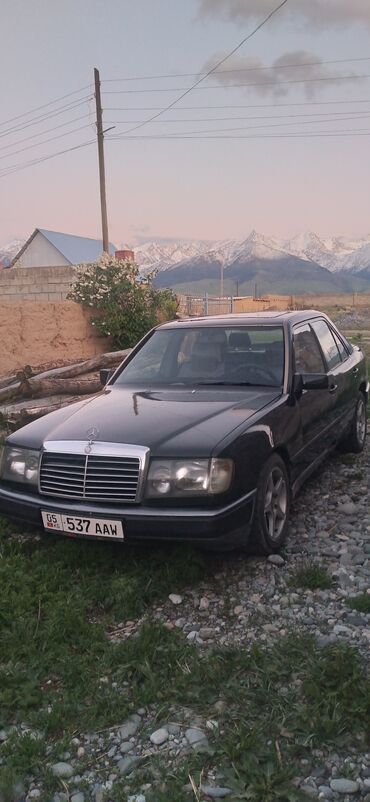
point(335, 254)
point(156, 256)
point(7, 252)
point(343, 256)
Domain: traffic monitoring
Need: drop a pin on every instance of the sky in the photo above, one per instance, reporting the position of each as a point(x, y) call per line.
point(246, 154)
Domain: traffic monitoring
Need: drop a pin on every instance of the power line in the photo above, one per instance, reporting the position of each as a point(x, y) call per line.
point(301, 135)
point(213, 69)
point(45, 141)
point(44, 117)
point(317, 63)
point(44, 105)
point(47, 131)
point(244, 106)
point(17, 167)
point(351, 115)
point(251, 127)
point(238, 86)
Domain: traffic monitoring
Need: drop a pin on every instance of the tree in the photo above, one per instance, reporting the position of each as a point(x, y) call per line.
point(126, 306)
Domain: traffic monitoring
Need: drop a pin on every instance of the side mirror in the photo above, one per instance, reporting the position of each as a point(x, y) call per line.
point(105, 375)
point(315, 381)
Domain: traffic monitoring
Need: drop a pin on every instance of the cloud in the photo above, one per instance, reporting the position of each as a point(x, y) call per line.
point(316, 13)
point(275, 80)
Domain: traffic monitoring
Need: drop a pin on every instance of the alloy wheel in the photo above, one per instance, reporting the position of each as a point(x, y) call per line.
point(361, 422)
point(276, 503)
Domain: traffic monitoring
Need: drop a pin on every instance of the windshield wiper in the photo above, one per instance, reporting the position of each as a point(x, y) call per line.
point(231, 384)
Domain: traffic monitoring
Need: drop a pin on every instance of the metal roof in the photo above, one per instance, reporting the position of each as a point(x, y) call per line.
point(76, 249)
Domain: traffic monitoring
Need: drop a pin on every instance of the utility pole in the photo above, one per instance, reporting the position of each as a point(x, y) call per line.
point(222, 281)
point(100, 136)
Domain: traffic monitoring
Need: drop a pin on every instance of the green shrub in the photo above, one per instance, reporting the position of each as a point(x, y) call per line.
point(125, 306)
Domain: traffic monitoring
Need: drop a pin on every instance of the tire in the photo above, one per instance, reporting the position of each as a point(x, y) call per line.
point(272, 508)
point(356, 439)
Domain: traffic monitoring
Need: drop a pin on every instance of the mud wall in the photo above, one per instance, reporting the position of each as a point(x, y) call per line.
point(35, 332)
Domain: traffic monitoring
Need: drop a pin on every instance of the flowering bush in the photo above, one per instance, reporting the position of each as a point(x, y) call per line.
point(126, 305)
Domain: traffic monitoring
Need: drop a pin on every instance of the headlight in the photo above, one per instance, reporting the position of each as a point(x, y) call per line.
point(189, 477)
point(20, 465)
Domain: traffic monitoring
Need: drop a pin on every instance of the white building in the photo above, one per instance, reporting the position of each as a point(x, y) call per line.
point(55, 249)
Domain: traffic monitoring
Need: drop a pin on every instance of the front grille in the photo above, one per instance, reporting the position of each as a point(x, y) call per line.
point(90, 476)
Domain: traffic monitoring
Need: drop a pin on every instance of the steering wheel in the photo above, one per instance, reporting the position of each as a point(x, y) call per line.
point(246, 371)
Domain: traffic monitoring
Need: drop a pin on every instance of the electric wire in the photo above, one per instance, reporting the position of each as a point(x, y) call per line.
point(44, 105)
point(350, 115)
point(43, 117)
point(249, 127)
point(317, 63)
point(331, 78)
point(213, 69)
point(243, 106)
point(17, 167)
point(45, 141)
point(47, 131)
point(208, 138)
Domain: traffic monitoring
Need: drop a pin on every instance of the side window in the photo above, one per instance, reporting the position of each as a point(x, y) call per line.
point(341, 347)
point(307, 353)
point(327, 343)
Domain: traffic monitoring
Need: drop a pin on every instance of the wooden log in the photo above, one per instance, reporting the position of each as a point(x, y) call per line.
point(28, 386)
point(7, 393)
point(33, 403)
point(5, 381)
point(16, 415)
point(38, 387)
point(108, 360)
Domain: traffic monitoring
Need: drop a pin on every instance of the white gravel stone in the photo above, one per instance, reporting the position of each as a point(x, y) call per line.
point(276, 559)
point(215, 792)
point(193, 735)
point(63, 770)
point(130, 727)
point(159, 736)
point(344, 786)
point(175, 598)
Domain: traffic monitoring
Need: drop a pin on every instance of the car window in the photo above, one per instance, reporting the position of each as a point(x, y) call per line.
point(327, 343)
point(307, 354)
point(245, 355)
point(341, 347)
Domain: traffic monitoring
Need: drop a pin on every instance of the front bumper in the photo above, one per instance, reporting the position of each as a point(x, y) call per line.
point(222, 527)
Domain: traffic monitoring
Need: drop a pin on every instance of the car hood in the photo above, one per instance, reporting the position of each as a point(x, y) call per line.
point(171, 422)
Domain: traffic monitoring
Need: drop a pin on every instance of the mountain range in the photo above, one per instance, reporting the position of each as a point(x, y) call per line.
point(305, 263)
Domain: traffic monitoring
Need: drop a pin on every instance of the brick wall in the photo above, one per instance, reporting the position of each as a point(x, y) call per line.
point(36, 283)
point(35, 332)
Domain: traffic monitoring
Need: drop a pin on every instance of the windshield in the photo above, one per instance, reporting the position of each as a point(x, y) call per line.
point(245, 355)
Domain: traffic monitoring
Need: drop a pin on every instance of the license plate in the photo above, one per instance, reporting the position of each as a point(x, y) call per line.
point(77, 525)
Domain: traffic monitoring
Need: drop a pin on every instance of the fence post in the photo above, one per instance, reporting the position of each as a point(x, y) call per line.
point(206, 303)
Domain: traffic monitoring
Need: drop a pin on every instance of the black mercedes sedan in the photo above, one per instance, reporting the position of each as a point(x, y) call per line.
point(202, 435)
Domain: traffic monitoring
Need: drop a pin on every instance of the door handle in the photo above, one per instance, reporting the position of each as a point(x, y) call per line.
point(333, 388)
point(355, 370)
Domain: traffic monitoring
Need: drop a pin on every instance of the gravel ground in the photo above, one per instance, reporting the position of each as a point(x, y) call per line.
point(247, 601)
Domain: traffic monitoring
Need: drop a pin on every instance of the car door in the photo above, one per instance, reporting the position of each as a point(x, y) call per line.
point(340, 377)
point(315, 406)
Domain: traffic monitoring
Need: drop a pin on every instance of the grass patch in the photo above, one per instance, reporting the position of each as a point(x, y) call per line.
point(311, 577)
point(361, 603)
point(61, 675)
point(57, 598)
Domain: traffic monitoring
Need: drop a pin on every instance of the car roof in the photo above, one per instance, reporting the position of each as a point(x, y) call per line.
point(255, 318)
